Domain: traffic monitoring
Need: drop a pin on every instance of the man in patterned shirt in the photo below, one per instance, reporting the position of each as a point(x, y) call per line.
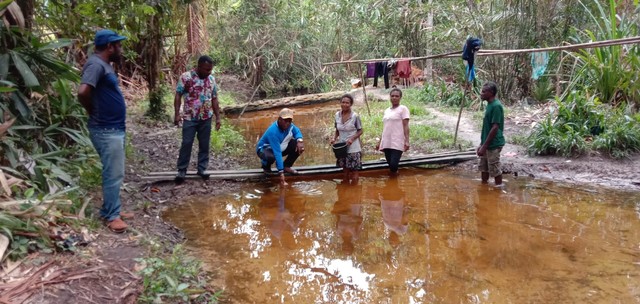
point(200, 92)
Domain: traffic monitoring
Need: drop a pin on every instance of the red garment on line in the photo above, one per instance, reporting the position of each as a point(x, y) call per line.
point(403, 68)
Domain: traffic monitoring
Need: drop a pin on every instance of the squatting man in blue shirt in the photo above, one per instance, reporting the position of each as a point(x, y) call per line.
point(282, 138)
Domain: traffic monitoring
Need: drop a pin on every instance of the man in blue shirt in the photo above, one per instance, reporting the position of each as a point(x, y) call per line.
point(282, 138)
point(100, 95)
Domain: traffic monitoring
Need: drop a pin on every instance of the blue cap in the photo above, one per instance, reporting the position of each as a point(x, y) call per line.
point(104, 37)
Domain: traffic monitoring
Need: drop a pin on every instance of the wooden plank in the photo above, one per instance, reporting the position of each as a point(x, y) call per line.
point(314, 167)
point(247, 174)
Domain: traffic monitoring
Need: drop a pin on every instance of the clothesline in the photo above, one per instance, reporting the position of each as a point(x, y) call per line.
point(588, 45)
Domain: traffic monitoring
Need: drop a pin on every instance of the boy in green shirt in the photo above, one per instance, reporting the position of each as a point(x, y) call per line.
point(491, 140)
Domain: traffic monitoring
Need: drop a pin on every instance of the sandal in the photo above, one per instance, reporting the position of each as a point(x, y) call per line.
point(117, 226)
point(291, 171)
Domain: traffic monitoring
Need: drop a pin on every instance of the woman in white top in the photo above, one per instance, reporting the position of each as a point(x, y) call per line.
point(348, 129)
point(395, 131)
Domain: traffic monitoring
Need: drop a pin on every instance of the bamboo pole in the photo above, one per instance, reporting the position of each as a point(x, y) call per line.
point(587, 45)
point(464, 98)
point(364, 91)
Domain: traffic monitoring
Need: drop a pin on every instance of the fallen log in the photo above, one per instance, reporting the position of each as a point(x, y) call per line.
point(282, 102)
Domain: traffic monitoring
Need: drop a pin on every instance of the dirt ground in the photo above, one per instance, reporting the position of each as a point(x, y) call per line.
point(104, 271)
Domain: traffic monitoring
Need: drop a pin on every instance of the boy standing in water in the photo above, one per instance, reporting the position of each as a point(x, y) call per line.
point(491, 140)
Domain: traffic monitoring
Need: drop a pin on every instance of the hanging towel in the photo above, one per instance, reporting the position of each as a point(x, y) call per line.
point(371, 70)
point(539, 63)
point(403, 68)
point(468, 53)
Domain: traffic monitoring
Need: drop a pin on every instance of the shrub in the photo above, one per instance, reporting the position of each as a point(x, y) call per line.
point(580, 125)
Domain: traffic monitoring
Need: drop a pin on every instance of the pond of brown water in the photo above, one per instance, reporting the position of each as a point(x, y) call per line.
point(315, 123)
point(427, 236)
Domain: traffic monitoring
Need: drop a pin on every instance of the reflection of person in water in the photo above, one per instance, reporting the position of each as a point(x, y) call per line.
point(348, 211)
point(280, 218)
point(392, 205)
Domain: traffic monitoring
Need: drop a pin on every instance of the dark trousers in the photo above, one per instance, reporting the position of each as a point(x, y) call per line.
point(201, 128)
point(393, 158)
point(381, 70)
point(266, 154)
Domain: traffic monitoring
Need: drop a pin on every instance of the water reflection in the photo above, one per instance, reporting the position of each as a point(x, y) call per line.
point(424, 237)
point(348, 211)
point(282, 219)
point(393, 212)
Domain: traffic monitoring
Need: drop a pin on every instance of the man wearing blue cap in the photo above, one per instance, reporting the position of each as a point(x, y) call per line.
point(100, 95)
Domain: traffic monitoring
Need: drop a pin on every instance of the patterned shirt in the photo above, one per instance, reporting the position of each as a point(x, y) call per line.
point(198, 94)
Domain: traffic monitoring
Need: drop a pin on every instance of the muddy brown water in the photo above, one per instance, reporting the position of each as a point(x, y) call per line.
point(427, 236)
point(315, 123)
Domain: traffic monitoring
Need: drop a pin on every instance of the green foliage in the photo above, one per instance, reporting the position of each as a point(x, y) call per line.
point(226, 99)
point(157, 103)
point(173, 279)
point(543, 90)
point(580, 125)
point(228, 140)
point(609, 72)
point(444, 95)
point(621, 137)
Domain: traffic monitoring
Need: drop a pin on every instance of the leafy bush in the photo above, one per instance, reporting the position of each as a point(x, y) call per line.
point(580, 125)
point(543, 90)
point(621, 136)
point(610, 72)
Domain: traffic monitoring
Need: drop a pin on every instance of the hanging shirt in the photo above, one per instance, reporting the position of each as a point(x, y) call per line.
point(349, 128)
point(539, 63)
point(197, 94)
point(371, 70)
point(403, 68)
point(393, 129)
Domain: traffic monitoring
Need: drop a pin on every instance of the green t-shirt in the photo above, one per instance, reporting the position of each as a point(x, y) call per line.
point(493, 114)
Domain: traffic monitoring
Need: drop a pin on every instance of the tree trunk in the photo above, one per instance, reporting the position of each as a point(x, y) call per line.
point(153, 58)
point(428, 67)
point(27, 8)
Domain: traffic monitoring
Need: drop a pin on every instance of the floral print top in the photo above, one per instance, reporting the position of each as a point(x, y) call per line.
point(198, 94)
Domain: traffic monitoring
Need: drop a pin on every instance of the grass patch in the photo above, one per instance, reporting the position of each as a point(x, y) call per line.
point(175, 278)
point(519, 139)
point(228, 140)
point(226, 99)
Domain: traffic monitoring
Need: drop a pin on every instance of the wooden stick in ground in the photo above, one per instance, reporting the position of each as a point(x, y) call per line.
point(364, 91)
point(466, 86)
point(250, 100)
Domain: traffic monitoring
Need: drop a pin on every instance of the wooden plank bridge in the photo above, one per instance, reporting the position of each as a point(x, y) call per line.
point(444, 158)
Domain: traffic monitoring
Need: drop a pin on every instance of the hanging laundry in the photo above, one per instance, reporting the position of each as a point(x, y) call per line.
point(403, 68)
point(539, 62)
point(371, 69)
point(469, 54)
point(382, 69)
